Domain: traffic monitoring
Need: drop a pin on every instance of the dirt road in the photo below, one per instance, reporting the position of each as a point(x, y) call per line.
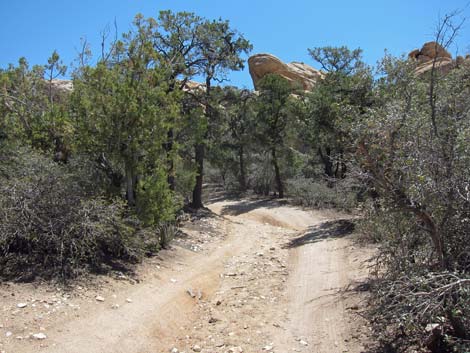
point(263, 277)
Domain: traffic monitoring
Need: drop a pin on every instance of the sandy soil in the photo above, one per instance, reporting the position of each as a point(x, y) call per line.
point(260, 277)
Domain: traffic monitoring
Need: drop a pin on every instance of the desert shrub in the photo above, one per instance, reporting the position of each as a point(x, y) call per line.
point(261, 174)
point(167, 231)
point(54, 225)
point(414, 149)
point(414, 304)
point(319, 194)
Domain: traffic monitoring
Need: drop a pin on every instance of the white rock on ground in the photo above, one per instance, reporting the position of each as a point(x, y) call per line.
point(235, 350)
point(39, 336)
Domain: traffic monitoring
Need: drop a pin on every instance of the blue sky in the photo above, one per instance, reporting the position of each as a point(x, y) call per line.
point(34, 28)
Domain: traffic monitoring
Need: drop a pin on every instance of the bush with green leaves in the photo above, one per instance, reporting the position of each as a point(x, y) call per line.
point(155, 201)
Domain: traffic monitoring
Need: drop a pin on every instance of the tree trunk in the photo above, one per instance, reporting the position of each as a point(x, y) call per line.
point(327, 162)
point(241, 159)
point(197, 192)
point(168, 145)
point(170, 163)
point(130, 186)
point(280, 186)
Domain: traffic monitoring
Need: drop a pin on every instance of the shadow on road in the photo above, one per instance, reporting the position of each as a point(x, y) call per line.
point(330, 229)
point(248, 206)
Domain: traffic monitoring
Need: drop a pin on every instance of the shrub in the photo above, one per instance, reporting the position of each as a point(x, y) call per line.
point(262, 174)
point(414, 149)
point(155, 201)
point(317, 193)
point(53, 225)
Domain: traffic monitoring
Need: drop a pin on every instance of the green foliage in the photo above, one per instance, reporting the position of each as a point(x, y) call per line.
point(273, 113)
point(185, 173)
point(123, 112)
point(274, 116)
point(155, 202)
point(33, 109)
point(338, 60)
point(232, 140)
point(336, 104)
point(129, 125)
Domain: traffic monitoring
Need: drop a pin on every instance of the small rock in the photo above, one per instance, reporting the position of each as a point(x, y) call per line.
point(218, 302)
point(22, 305)
point(235, 350)
point(129, 300)
point(303, 343)
point(259, 254)
point(174, 350)
point(115, 306)
point(8, 334)
point(99, 298)
point(213, 320)
point(39, 336)
point(268, 348)
point(197, 348)
point(172, 280)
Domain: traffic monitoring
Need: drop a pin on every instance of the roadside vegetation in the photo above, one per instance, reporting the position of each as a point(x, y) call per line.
point(98, 173)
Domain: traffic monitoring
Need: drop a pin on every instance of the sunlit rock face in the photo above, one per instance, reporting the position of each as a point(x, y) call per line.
point(298, 74)
point(431, 55)
point(62, 86)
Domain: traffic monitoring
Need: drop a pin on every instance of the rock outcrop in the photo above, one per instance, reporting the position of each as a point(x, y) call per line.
point(193, 86)
point(297, 73)
point(66, 86)
point(432, 54)
point(62, 86)
point(430, 51)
